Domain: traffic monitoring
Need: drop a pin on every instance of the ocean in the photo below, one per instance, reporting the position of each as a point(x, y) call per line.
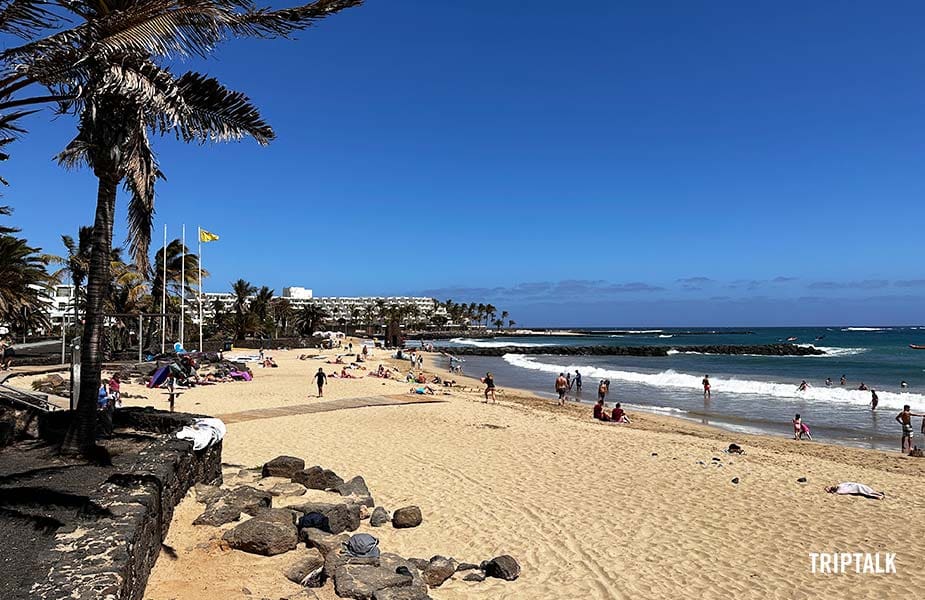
point(751, 394)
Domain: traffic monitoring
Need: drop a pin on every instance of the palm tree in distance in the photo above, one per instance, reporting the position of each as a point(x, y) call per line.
point(105, 62)
point(22, 276)
point(504, 316)
point(77, 262)
point(243, 318)
point(511, 323)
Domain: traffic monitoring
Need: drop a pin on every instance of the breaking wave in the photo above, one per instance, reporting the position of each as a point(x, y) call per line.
point(673, 379)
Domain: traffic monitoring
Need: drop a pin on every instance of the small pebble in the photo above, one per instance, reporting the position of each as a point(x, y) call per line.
point(801, 480)
point(735, 480)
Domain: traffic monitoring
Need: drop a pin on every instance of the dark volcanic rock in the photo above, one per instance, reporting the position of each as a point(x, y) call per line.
point(283, 466)
point(475, 576)
point(325, 542)
point(317, 478)
point(409, 516)
point(356, 490)
point(503, 567)
point(308, 570)
point(227, 506)
point(419, 563)
point(288, 489)
point(466, 567)
point(379, 517)
point(409, 593)
point(438, 570)
point(267, 534)
point(362, 581)
point(336, 518)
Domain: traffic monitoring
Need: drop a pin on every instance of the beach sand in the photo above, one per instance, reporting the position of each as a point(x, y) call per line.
point(589, 510)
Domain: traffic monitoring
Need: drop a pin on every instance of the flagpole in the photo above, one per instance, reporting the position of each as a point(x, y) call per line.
point(183, 285)
point(164, 295)
point(199, 237)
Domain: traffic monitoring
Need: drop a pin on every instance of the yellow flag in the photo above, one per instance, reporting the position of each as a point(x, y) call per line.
point(205, 236)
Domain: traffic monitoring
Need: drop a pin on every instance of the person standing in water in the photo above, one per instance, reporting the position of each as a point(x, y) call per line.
point(905, 419)
point(577, 381)
point(800, 429)
point(561, 388)
point(706, 387)
point(844, 380)
point(874, 400)
point(320, 379)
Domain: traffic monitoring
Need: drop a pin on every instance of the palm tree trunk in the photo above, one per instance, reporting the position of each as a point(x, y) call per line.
point(81, 436)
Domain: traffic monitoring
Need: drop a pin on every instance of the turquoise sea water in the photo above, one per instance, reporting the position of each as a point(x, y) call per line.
point(750, 393)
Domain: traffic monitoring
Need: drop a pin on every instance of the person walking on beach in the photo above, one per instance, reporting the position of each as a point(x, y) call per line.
point(489, 382)
point(561, 388)
point(602, 388)
point(800, 429)
point(706, 387)
point(874, 400)
point(577, 381)
point(905, 419)
point(320, 379)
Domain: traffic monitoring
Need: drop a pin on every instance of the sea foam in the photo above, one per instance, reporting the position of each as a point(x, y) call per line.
point(673, 379)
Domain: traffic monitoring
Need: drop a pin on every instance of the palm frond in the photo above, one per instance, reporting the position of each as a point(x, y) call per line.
point(268, 23)
point(141, 173)
point(26, 18)
point(217, 113)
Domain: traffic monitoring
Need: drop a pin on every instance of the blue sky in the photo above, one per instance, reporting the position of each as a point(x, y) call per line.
point(609, 163)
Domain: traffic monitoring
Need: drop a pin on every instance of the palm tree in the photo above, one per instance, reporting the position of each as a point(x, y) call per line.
point(369, 311)
point(243, 317)
point(310, 319)
point(498, 323)
point(490, 311)
point(504, 316)
point(281, 310)
point(108, 68)
point(510, 324)
point(77, 262)
point(22, 280)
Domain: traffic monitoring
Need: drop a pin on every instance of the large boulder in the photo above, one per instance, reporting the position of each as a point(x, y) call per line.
point(227, 507)
point(288, 489)
point(409, 516)
point(363, 581)
point(268, 534)
point(283, 466)
point(402, 593)
point(308, 570)
point(335, 518)
point(317, 478)
point(502, 567)
point(379, 517)
point(357, 491)
point(438, 570)
point(322, 540)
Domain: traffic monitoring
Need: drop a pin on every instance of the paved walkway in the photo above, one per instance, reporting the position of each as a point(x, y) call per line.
point(323, 406)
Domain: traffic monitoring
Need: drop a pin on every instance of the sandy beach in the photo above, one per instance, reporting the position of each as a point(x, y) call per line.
point(590, 510)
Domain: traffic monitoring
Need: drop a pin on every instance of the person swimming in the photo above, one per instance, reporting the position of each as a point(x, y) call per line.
point(802, 387)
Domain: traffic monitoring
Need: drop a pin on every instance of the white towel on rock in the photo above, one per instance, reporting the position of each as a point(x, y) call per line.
point(203, 433)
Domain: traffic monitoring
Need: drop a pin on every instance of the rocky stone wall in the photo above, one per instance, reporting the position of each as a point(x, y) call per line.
point(112, 558)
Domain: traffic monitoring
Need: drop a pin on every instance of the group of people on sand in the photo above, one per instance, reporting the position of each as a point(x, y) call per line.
point(617, 415)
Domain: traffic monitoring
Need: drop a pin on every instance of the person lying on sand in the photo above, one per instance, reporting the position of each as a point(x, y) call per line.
point(619, 415)
point(850, 488)
point(345, 375)
point(423, 389)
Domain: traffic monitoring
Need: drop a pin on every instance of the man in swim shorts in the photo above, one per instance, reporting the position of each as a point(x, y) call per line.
point(905, 419)
point(706, 387)
point(561, 388)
